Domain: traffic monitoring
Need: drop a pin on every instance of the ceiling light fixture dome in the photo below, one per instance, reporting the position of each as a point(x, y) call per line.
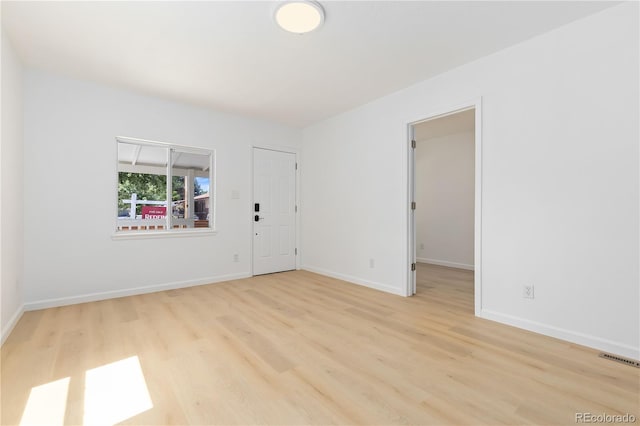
point(299, 16)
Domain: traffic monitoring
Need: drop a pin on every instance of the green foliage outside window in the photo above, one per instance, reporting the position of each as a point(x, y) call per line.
point(150, 187)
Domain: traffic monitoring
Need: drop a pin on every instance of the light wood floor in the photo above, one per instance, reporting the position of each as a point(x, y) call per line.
point(299, 348)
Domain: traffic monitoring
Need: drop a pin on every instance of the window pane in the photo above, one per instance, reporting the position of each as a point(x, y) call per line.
point(163, 187)
point(201, 199)
point(142, 187)
point(190, 189)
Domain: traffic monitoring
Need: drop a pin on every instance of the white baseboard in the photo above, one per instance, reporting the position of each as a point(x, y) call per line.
point(563, 334)
point(445, 263)
point(8, 328)
point(92, 297)
point(354, 280)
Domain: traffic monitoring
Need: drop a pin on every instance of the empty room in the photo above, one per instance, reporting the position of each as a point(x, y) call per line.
point(320, 212)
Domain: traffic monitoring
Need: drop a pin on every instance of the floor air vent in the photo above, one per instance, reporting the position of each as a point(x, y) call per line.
point(620, 359)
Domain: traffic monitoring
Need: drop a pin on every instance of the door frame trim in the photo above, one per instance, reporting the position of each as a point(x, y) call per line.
point(411, 179)
point(288, 150)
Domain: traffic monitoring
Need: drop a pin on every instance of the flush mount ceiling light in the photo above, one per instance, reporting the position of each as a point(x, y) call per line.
point(299, 16)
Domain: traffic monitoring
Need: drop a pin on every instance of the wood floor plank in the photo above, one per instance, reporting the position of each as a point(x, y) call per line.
point(300, 348)
point(261, 346)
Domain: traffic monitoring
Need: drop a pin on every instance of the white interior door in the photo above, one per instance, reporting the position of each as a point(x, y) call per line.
point(274, 225)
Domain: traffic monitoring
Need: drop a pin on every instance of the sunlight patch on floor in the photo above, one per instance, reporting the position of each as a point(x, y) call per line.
point(115, 392)
point(46, 404)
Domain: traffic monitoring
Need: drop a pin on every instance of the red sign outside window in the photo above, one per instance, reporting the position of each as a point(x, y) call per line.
point(153, 212)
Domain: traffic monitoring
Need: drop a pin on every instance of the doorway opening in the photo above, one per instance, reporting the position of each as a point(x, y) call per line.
point(445, 206)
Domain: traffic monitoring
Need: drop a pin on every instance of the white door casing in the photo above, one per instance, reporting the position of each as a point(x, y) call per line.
point(274, 195)
point(412, 212)
point(411, 237)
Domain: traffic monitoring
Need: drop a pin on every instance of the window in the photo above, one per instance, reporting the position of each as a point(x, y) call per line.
point(163, 187)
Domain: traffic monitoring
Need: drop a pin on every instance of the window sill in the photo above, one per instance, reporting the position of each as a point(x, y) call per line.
point(144, 235)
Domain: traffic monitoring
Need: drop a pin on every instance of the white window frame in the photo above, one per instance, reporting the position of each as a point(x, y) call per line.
point(168, 230)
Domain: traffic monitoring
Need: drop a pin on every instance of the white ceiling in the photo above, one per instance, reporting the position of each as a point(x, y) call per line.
point(231, 56)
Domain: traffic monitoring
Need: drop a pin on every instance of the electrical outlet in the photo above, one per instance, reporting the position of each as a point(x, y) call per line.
point(372, 263)
point(527, 292)
point(236, 258)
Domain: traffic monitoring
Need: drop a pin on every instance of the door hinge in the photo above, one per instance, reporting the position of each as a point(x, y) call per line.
point(296, 166)
point(296, 251)
point(296, 209)
point(413, 143)
point(413, 205)
point(413, 266)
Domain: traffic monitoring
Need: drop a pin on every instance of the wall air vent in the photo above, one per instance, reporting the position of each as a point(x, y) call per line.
point(616, 358)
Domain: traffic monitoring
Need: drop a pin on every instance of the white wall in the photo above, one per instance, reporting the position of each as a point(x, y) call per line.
point(445, 187)
point(70, 154)
point(559, 186)
point(11, 199)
